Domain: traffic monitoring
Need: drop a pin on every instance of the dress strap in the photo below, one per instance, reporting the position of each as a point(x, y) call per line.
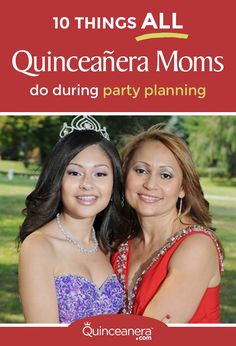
point(122, 259)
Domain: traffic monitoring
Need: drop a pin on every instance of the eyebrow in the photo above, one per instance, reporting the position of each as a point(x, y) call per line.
point(147, 164)
point(167, 166)
point(95, 166)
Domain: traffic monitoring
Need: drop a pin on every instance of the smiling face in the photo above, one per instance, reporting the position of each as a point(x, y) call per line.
point(154, 181)
point(87, 183)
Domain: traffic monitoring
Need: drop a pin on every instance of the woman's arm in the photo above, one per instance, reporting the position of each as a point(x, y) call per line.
point(192, 268)
point(36, 281)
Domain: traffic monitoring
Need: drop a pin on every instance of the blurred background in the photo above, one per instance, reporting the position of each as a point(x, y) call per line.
point(26, 140)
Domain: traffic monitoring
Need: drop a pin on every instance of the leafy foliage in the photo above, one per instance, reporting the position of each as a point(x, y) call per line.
point(19, 135)
point(212, 140)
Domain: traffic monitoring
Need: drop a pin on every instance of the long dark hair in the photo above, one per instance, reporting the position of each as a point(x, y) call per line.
point(44, 202)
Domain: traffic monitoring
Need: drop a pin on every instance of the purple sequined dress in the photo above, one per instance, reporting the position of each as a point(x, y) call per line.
point(79, 297)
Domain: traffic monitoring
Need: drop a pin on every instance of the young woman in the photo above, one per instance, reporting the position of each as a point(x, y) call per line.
point(73, 221)
point(172, 263)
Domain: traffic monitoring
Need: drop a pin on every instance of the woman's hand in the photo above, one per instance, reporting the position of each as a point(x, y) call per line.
point(166, 319)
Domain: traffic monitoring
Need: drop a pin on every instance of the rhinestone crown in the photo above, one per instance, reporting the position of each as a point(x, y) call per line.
point(81, 123)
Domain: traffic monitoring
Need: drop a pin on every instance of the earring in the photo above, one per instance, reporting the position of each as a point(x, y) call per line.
point(180, 207)
point(122, 200)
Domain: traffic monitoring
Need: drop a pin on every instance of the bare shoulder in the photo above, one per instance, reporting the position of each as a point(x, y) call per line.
point(197, 250)
point(36, 244)
point(199, 241)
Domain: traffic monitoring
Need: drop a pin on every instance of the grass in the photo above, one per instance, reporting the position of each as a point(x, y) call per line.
point(18, 167)
point(12, 195)
point(224, 219)
point(219, 187)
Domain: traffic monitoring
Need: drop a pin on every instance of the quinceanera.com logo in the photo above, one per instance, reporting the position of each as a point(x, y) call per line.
point(142, 334)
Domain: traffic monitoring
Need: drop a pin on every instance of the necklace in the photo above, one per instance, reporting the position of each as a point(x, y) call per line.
point(86, 252)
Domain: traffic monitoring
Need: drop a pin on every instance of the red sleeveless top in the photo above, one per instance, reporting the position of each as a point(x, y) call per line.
point(149, 281)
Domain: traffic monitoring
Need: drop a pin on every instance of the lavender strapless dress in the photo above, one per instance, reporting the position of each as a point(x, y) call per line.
point(79, 297)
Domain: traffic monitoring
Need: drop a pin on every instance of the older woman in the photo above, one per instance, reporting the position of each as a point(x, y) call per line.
point(171, 264)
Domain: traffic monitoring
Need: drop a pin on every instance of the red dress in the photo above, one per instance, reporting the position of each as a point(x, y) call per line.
point(149, 281)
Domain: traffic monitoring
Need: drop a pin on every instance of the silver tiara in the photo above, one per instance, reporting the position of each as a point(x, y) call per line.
point(81, 123)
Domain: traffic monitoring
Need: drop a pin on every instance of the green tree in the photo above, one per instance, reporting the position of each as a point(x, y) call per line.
point(175, 125)
point(212, 140)
point(122, 126)
point(17, 137)
point(20, 134)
